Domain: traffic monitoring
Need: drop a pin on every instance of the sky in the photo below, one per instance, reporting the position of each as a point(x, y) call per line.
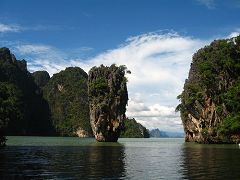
point(155, 39)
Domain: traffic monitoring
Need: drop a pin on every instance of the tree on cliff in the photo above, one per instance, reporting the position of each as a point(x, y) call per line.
point(210, 101)
point(108, 96)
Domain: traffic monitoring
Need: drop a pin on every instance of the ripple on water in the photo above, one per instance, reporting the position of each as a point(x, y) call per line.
point(74, 158)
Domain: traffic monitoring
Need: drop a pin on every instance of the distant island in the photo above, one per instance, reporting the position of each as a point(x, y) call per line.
point(133, 129)
point(156, 133)
point(210, 101)
point(34, 104)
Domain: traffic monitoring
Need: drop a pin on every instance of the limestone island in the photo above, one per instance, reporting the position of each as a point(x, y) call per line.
point(108, 97)
point(210, 101)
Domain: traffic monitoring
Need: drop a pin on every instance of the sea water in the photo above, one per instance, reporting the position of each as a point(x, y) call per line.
point(84, 158)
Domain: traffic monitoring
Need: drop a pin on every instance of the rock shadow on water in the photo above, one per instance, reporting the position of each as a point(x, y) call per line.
point(96, 161)
point(204, 161)
point(106, 160)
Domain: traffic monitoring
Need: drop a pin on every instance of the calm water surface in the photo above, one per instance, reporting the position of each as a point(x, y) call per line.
point(75, 158)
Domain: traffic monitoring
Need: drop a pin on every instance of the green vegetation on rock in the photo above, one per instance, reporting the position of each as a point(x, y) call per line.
point(10, 107)
point(66, 93)
point(210, 101)
point(41, 78)
point(23, 111)
point(108, 96)
point(133, 129)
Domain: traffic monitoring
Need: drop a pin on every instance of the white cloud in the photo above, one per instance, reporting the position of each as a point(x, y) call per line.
point(33, 49)
point(156, 110)
point(210, 4)
point(155, 116)
point(159, 63)
point(234, 34)
point(4, 28)
point(42, 57)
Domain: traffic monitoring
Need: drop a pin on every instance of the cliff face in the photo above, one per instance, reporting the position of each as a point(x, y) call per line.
point(210, 101)
point(41, 78)
point(23, 111)
point(201, 123)
point(108, 96)
point(66, 94)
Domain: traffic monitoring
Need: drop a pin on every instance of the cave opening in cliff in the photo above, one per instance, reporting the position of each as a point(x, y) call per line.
point(190, 134)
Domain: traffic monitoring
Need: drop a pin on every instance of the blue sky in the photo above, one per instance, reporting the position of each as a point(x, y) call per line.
point(103, 24)
point(154, 38)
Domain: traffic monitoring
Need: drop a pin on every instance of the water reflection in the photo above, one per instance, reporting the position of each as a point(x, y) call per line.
point(21, 162)
point(78, 162)
point(106, 161)
point(201, 161)
point(136, 159)
point(154, 159)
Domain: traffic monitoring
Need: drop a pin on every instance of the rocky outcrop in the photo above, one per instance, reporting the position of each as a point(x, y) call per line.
point(202, 122)
point(108, 97)
point(210, 101)
point(83, 133)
